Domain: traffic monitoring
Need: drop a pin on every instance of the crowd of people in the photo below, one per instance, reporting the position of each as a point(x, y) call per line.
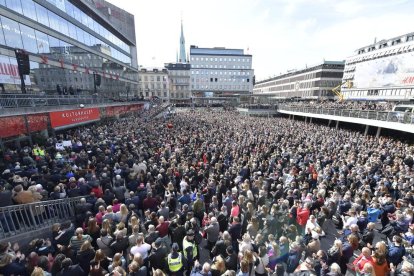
point(210, 192)
point(350, 105)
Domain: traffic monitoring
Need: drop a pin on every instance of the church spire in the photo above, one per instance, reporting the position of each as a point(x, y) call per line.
point(182, 45)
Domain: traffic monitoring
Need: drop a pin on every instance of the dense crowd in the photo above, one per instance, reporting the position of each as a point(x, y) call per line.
point(354, 105)
point(259, 106)
point(211, 192)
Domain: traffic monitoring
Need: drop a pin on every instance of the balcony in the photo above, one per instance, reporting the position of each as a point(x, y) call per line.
point(402, 121)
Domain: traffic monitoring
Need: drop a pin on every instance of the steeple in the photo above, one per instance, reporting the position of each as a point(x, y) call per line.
point(182, 45)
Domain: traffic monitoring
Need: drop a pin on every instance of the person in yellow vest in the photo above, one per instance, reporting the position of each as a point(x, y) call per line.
point(176, 261)
point(190, 250)
point(35, 151)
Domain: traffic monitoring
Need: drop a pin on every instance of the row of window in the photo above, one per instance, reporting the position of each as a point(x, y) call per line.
point(221, 59)
point(407, 92)
point(154, 86)
point(45, 17)
point(37, 81)
point(220, 87)
point(88, 22)
point(153, 78)
point(380, 54)
point(386, 44)
point(302, 85)
point(17, 35)
point(230, 73)
point(302, 77)
point(197, 80)
point(220, 66)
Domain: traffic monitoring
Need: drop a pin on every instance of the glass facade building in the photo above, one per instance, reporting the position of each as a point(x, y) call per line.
point(68, 42)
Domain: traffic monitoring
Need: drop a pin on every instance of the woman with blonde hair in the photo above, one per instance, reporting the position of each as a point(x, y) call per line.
point(38, 271)
point(117, 261)
point(379, 258)
point(122, 214)
point(248, 257)
point(120, 228)
point(107, 226)
point(335, 252)
point(158, 272)
point(368, 270)
point(218, 267)
point(137, 267)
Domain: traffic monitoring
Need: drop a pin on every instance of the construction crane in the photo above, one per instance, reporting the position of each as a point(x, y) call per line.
point(337, 89)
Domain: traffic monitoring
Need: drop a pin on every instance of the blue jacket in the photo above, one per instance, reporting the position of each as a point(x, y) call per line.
point(395, 254)
point(293, 261)
point(373, 214)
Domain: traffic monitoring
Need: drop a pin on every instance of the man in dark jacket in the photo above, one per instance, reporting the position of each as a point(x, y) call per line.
point(235, 232)
point(231, 259)
point(119, 192)
point(158, 256)
point(68, 269)
point(293, 259)
point(81, 210)
point(120, 245)
point(6, 200)
point(396, 251)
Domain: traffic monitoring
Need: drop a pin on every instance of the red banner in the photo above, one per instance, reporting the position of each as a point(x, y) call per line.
point(119, 110)
point(12, 126)
point(37, 122)
point(71, 117)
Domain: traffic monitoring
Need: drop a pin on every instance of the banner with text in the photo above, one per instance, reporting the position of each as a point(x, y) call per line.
point(9, 72)
point(73, 117)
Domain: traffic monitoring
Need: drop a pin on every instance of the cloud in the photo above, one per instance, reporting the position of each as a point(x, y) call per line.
point(281, 34)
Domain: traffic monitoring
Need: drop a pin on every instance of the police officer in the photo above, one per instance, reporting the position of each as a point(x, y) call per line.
point(176, 262)
point(190, 250)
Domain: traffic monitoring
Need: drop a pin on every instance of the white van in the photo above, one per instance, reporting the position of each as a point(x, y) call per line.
point(404, 108)
point(403, 113)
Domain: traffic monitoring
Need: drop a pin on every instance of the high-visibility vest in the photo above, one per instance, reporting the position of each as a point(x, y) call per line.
point(187, 244)
point(176, 264)
point(41, 152)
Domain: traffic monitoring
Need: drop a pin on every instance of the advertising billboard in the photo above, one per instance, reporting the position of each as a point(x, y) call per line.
point(391, 71)
point(9, 72)
point(73, 117)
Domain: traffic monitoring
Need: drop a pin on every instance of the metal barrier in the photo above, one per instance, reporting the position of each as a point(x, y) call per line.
point(33, 100)
point(18, 219)
point(388, 116)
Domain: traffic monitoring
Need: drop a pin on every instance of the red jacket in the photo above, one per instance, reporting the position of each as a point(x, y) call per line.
point(302, 216)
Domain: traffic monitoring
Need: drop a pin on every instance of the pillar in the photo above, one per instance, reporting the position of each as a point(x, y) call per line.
point(366, 130)
point(306, 119)
point(310, 120)
point(337, 125)
point(378, 132)
point(329, 122)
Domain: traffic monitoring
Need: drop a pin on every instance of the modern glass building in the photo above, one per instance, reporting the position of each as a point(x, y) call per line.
point(68, 42)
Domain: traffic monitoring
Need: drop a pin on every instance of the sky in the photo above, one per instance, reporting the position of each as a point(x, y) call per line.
point(281, 35)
